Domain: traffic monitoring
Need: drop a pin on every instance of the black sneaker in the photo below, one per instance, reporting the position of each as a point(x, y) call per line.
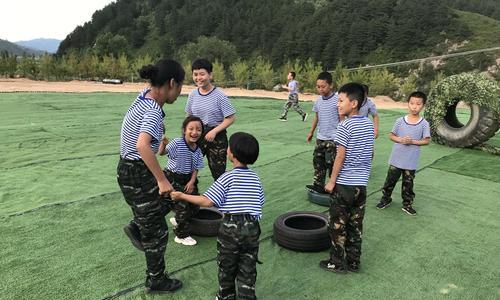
point(409, 210)
point(133, 233)
point(327, 265)
point(382, 204)
point(304, 117)
point(282, 119)
point(162, 285)
point(316, 188)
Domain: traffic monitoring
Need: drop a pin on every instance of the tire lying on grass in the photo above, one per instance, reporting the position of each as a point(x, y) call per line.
point(480, 94)
point(206, 222)
point(318, 198)
point(302, 231)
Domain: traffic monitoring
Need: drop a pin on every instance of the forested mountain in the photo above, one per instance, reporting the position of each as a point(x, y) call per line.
point(356, 32)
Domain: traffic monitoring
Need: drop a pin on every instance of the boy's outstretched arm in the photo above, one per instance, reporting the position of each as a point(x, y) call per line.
point(198, 200)
point(313, 128)
point(337, 166)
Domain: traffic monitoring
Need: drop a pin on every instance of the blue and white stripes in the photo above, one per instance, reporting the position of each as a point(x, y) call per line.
point(406, 157)
point(144, 115)
point(328, 117)
point(182, 159)
point(238, 192)
point(211, 108)
point(356, 134)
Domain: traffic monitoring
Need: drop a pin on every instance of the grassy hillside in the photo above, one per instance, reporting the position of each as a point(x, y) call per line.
point(485, 30)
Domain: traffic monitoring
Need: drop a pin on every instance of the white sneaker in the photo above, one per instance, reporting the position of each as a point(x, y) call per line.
point(173, 222)
point(187, 241)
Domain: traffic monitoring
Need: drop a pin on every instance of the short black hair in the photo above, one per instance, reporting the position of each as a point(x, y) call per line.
point(162, 72)
point(326, 76)
point(190, 119)
point(202, 63)
point(293, 74)
point(366, 88)
point(245, 147)
point(354, 91)
point(418, 94)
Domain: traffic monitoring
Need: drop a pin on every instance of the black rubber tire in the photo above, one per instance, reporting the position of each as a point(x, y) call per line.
point(206, 222)
point(481, 127)
point(290, 231)
point(318, 198)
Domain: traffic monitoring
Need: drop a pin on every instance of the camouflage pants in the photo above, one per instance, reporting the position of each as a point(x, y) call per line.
point(347, 210)
point(183, 210)
point(237, 255)
point(140, 190)
point(293, 101)
point(406, 186)
point(323, 157)
point(216, 152)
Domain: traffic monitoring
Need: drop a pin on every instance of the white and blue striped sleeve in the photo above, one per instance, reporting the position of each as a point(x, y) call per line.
point(315, 106)
point(189, 104)
point(343, 135)
point(372, 109)
point(217, 191)
point(198, 160)
point(262, 198)
point(152, 123)
point(395, 128)
point(426, 129)
point(172, 149)
point(226, 107)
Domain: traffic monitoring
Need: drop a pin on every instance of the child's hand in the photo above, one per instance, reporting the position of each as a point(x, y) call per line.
point(376, 133)
point(189, 188)
point(176, 196)
point(329, 187)
point(309, 137)
point(164, 139)
point(210, 136)
point(406, 140)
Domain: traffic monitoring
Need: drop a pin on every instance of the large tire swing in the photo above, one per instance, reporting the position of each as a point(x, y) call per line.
point(302, 231)
point(480, 94)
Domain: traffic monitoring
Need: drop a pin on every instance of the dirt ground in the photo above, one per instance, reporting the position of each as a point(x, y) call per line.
point(25, 85)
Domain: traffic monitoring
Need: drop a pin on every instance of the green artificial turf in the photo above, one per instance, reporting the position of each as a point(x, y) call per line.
point(61, 212)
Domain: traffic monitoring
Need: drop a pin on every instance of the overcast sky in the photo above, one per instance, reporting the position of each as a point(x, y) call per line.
point(30, 19)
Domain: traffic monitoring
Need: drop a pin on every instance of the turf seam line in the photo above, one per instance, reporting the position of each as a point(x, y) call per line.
point(59, 160)
point(465, 175)
point(50, 205)
point(64, 203)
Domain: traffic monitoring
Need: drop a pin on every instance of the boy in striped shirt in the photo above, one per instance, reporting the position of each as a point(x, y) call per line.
point(240, 196)
point(347, 185)
point(408, 134)
point(184, 161)
point(326, 120)
point(293, 98)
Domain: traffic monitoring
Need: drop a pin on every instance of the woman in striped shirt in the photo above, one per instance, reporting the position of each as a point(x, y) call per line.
point(140, 176)
point(213, 107)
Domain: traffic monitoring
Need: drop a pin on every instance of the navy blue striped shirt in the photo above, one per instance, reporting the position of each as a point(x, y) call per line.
point(328, 117)
point(144, 115)
point(294, 87)
point(238, 192)
point(182, 159)
point(357, 135)
point(403, 156)
point(211, 108)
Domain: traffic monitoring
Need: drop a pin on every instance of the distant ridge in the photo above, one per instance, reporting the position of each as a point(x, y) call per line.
point(42, 44)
